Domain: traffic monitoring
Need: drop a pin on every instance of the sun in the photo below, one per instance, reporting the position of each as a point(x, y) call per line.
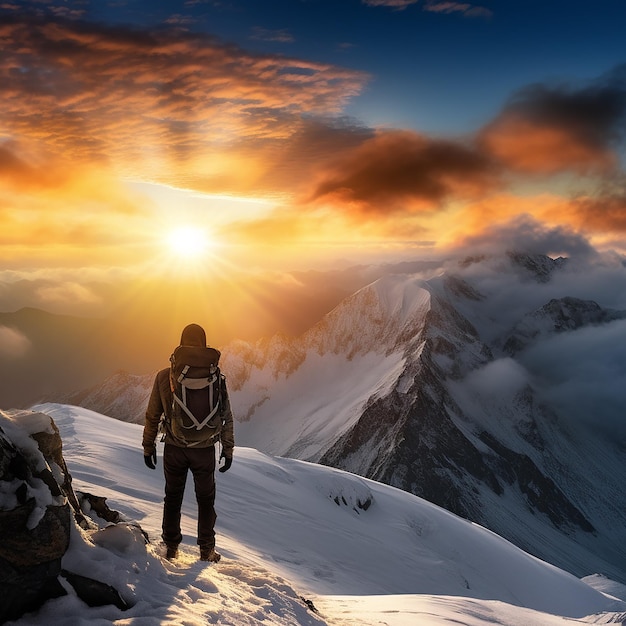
point(189, 242)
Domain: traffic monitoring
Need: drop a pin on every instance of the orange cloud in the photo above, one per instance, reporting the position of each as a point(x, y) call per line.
point(550, 129)
point(598, 217)
point(85, 105)
point(529, 147)
point(62, 212)
point(163, 105)
point(399, 171)
point(601, 214)
point(474, 217)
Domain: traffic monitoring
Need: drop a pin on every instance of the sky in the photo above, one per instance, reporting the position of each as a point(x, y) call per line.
point(201, 139)
point(283, 538)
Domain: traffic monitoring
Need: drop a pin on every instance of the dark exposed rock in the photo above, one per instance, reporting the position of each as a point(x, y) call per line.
point(37, 508)
point(428, 455)
point(541, 492)
point(35, 529)
point(28, 589)
point(99, 506)
point(93, 592)
point(537, 266)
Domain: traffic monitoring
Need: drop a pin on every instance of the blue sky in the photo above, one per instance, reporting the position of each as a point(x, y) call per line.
point(434, 66)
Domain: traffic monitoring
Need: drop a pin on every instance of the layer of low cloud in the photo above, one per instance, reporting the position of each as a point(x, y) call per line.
point(580, 374)
point(588, 273)
point(498, 382)
point(583, 374)
point(13, 343)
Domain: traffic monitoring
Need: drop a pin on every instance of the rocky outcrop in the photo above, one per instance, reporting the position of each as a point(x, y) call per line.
point(37, 509)
point(35, 517)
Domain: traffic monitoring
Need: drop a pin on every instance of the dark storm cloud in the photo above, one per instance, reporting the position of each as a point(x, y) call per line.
point(548, 128)
point(399, 170)
point(595, 114)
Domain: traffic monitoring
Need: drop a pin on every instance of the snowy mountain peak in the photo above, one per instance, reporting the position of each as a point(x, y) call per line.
point(377, 318)
point(528, 265)
point(557, 316)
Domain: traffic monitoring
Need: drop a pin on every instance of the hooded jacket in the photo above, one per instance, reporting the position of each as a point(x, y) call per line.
point(161, 399)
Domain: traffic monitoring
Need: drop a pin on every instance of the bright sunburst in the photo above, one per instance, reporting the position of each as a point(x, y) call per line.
point(189, 242)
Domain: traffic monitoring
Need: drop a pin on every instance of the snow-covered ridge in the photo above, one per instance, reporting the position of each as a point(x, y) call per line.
point(288, 530)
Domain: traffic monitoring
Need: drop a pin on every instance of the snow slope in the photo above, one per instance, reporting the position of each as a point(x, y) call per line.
point(361, 552)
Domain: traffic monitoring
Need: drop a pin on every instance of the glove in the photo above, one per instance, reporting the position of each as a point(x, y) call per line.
point(228, 461)
point(150, 460)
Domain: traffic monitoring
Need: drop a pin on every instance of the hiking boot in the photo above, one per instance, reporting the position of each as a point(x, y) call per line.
point(171, 552)
point(209, 554)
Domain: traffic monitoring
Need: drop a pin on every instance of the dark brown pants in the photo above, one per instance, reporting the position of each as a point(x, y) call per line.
point(176, 463)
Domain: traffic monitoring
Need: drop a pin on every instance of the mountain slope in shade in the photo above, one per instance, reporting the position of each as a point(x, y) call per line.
point(406, 359)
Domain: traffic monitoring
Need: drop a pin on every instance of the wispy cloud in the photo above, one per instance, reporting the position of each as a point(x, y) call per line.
point(13, 343)
point(153, 102)
point(395, 4)
point(264, 34)
point(434, 6)
point(468, 10)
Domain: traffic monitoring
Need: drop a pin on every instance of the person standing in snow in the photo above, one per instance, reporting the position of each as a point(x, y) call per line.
point(182, 453)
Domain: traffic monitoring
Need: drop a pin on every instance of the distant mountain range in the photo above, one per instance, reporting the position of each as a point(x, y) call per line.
point(436, 387)
point(43, 353)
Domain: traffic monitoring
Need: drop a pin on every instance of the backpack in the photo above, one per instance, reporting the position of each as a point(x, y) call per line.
point(198, 395)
